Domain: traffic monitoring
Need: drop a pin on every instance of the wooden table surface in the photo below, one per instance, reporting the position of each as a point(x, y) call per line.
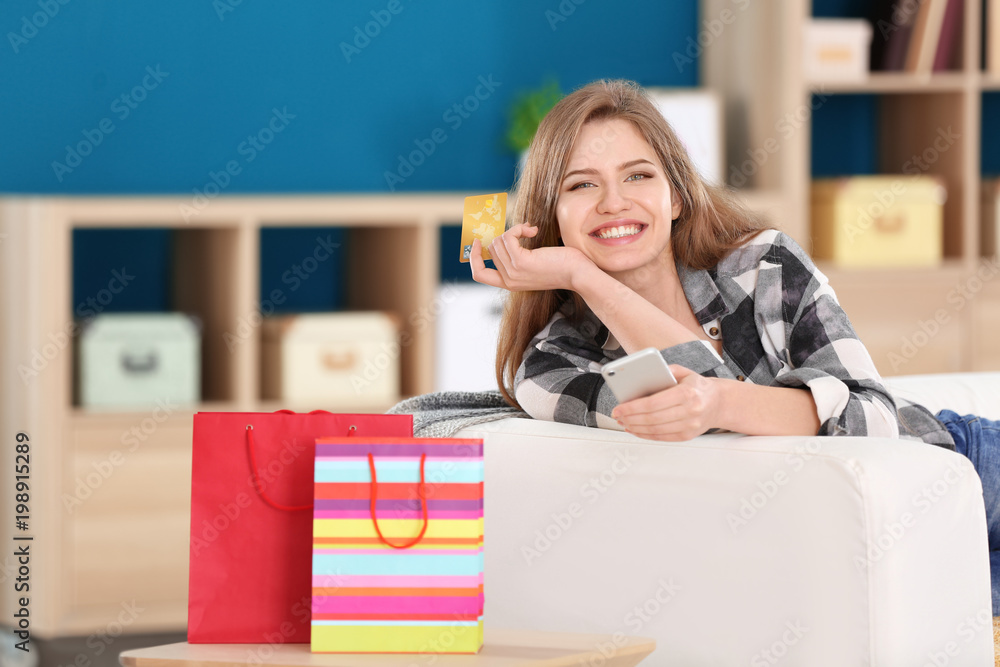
point(501, 648)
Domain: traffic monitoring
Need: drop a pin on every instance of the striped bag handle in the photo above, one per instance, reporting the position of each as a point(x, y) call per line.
point(423, 504)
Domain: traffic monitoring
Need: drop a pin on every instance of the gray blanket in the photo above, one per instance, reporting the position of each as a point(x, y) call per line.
point(441, 414)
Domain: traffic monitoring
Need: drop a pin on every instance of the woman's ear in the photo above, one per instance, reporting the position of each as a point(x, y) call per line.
point(676, 204)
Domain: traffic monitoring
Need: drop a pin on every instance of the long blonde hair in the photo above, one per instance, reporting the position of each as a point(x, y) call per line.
point(710, 225)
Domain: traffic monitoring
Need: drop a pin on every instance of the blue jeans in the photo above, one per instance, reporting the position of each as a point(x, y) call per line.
point(978, 440)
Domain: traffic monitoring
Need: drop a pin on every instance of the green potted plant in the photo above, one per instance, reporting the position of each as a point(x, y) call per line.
point(524, 115)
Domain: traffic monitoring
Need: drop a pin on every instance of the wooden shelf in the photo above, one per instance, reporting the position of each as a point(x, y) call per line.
point(762, 201)
point(256, 210)
point(898, 82)
point(949, 270)
point(82, 415)
point(989, 82)
point(935, 117)
point(97, 417)
point(106, 549)
point(360, 408)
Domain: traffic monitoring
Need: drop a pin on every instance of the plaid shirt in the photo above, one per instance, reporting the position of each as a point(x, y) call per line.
point(780, 324)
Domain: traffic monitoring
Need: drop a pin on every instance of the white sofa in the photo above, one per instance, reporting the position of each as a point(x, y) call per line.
point(736, 550)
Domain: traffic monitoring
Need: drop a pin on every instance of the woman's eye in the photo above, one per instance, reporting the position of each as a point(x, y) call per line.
point(637, 177)
point(581, 185)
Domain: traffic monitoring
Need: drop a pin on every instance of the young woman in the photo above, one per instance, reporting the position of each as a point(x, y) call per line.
point(620, 246)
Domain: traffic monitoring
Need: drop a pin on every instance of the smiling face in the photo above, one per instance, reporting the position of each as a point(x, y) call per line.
point(615, 203)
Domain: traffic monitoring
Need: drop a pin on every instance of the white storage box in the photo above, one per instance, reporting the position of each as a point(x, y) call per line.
point(135, 360)
point(696, 117)
point(466, 337)
point(333, 361)
point(836, 49)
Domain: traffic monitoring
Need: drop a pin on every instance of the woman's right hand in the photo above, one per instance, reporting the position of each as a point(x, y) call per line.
point(520, 269)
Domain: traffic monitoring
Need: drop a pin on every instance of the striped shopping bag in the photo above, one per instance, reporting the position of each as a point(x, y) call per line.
point(398, 545)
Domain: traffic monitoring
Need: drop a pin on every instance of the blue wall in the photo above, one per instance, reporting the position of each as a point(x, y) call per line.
point(837, 151)
point(212, 73)
point(226, 67)
point(209, 78)
point(223, 72)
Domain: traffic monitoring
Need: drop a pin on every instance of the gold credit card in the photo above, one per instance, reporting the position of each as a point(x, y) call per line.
point(483, 218)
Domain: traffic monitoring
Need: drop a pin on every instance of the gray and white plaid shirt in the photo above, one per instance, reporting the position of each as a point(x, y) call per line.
point(780, 324)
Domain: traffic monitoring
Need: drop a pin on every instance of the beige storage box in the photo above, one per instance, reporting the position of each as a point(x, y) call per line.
point(989, 238)
point(836, 50)
point(878, 221)
point(333, 361)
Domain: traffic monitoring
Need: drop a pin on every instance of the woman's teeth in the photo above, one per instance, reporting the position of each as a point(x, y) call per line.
point(618, 232)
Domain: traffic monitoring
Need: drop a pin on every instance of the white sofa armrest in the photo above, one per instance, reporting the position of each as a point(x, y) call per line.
point(733, 550)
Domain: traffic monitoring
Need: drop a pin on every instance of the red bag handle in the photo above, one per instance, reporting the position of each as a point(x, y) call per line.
point(423, 504)
point(256, 474)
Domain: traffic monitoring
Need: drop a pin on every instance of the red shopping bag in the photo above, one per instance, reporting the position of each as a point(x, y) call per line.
point(251, 520)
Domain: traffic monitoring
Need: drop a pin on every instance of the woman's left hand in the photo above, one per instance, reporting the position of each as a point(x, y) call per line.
point(682, 412)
